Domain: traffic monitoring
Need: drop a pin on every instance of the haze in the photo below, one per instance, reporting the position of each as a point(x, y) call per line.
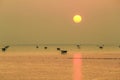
point(50, 21)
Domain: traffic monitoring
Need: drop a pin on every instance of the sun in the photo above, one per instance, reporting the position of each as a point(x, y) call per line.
point(77, 18)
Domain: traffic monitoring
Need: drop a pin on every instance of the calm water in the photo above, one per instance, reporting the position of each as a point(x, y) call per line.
point(53, 66)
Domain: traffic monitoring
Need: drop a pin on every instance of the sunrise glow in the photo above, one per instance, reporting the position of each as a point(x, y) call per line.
point(77, 67)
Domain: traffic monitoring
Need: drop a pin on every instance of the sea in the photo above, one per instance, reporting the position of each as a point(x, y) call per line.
point(45, 62)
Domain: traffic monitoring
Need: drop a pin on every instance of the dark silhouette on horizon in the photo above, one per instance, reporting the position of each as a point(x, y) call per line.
point(37, 46)
point(78, 46)
point(58, 49)
point(101, 47)
point(64, 51)
point(5, 48)
point(45, 47)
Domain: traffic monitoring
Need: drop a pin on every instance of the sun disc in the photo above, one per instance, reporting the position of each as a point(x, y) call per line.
point(77, 18)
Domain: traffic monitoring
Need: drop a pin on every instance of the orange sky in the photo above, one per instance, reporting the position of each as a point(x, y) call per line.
point(50, 21)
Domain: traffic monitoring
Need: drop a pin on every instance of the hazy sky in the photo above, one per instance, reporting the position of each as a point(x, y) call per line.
point(50, 21)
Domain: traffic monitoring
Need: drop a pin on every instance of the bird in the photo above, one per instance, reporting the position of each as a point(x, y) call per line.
point(64, 51)
point(101, 47)
point(37, 46)
point(7, 47)
point(45, 47)
point(58, 49)
point(78, 46)
point(3, 49)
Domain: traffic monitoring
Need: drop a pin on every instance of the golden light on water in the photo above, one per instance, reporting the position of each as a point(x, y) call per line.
point(77, 18)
